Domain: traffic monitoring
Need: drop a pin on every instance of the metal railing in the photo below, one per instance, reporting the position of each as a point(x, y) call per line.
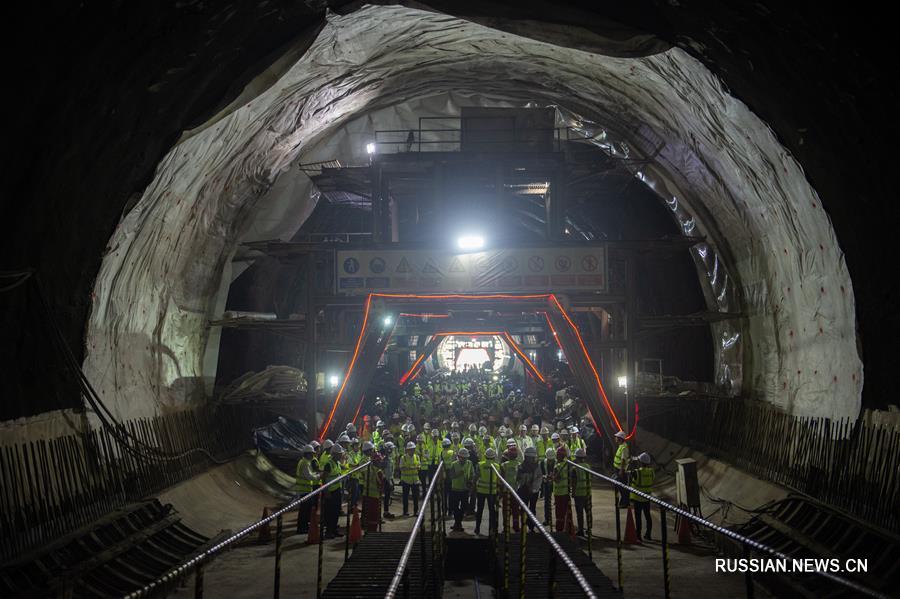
point(197, 563)
point(747, 543)
point(445, 138)
point(438, 533)
point(557, 551)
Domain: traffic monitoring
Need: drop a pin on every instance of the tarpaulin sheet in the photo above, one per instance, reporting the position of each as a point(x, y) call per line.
point(772, 252)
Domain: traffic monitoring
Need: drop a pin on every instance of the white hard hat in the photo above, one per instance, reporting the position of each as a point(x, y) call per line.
point(368, 446)
point(483, 430)
point(315, 444)
point(644, 458)
point(426, 426)
point(472, 427)
point(554, 437)
point(435, 432)
point(463, 452)
point(530, 451)
point(328, 444)
point(564, 431)
point(308, 449)
point(410, 445)
point(389, 445)
point(454, 425)
point(535, 428)
point(545, 431)
point(454, 435)
point(467, 441)
point(446, 443)
point(511, 443)
point(490, 453)
point(580, 453)
point(344, 438)
point(380, 423)
point(550, 454)
point(523, 428)
point(337, 450)
point(351, 427)
point(573, 429)
point(620, 434)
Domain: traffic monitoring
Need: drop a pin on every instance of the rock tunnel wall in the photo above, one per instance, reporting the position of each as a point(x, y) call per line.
point(159, 280)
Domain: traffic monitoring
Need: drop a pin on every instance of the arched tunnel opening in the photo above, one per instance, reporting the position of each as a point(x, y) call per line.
point(266, 257)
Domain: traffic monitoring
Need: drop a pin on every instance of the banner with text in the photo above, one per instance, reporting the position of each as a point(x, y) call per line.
point(507, 270)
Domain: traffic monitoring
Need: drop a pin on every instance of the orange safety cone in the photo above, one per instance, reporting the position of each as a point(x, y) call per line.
point(265, 532)
point(314, 538)
point(355, 527)
point(631, 537)
point(684, 531)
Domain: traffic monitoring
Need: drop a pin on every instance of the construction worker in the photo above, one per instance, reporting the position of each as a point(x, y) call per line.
point(330, 471)
point(620, 464)
point(575, 440)
point(529, 482)
point(555, 441)
point(509, 466)
point(486, 489)
point(315, 458)
point(379, 431)
point(564, 440)
point(409, 478)
point(523, 441)
point(461, 481)
point(561, 490)
point(436, 451)
point(642, 480)
point(354, 459)
point(306, 480)
point(388, 478)
point(423, 452)
point(447, 456)
point(469, 445)
point(548, 466)
point(372, 487)
point(581, 490)
point(536, 438)
point(351, 430)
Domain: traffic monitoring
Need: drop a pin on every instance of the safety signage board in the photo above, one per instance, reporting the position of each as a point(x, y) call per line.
point(508, 270)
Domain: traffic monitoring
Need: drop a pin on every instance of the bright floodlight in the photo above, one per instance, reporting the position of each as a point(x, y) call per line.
point(470, 242)
point(370, 148)
point(623, 381)
point(333, 380)
point(388, 320)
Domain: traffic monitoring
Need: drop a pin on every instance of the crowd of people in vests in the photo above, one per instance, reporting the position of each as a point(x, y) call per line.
point(478, 427)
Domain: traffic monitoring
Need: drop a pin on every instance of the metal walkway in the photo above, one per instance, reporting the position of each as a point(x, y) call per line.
point(372, 565)
point(538, 554)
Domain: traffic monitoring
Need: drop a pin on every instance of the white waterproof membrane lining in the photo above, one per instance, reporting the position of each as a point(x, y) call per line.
point(771, 252)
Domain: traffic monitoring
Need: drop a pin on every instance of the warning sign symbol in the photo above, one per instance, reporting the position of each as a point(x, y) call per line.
point(456, 265)
point(589, 263)
point(536, 264)
point(403, 266)
point(430, 267)
point(563, 263)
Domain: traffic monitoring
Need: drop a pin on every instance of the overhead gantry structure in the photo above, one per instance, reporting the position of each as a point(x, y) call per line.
point(378, 327)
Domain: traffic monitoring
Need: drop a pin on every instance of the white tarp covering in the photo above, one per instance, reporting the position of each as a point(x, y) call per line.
point(715, 163)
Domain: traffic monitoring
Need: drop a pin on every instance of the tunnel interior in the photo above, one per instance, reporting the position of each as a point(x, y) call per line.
point(239, 228)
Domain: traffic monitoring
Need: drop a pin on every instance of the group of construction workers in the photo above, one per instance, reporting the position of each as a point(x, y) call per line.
point(533, 460)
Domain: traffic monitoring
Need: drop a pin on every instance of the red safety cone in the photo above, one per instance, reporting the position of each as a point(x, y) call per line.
point(265, 532)
point(684, 531)
point(355, 527)
point(631, 537)
point(314, 538)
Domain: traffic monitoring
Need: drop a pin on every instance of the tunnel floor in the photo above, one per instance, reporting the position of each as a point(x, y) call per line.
point(247, 572)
